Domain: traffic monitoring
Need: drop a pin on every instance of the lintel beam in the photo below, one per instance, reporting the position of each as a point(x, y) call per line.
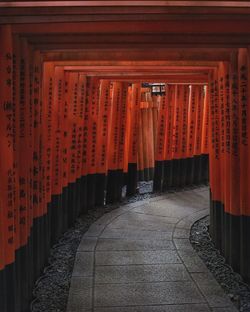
point(173, 3)
point(150, 27)
point(170, 54)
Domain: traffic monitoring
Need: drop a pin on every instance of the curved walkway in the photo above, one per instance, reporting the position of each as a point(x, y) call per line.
point(138, 258)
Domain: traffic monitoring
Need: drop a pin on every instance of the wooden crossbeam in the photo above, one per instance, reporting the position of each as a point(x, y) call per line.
point(176, 3)
point(160, 27)
point(170, 54)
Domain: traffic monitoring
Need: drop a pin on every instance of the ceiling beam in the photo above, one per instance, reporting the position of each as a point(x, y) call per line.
point(157, 63)
point(170, 54)
point(175, 3)
point(191, 70)
point(205, 27)
point(79, 14)
point(157, 38)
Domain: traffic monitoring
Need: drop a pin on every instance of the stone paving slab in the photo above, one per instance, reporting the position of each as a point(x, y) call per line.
point(84, 264)
point(181, 233)
point(159, 209)
point(192, 261)
point(141, 273)
point(160, 308)
point(184, 224)
point(138, 258)
point(81, 298)
point(142, 221)
point(147, 294)
point(182, 244)
point(211, 290)
point(227, 309)
point(135, 233)
point(133, 244)
point(88, 244)
point(140, 227)
point(198, 215)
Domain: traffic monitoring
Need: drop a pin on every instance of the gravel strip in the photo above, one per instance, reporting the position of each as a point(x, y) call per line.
point(230, 281)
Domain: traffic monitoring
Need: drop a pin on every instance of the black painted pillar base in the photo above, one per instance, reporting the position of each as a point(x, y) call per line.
point(65, 199)
point(245, 248)
point(222, 233)
point(42, 224)
point(25, 295)
point(71, 203)
point(125, 178)
point(38, 249)
point(183, 172)
point(18, 276)
point(9, 285)
point(197, 169)
point(48, 230)
point(167, 175)
point(230, 234)
point(146, 174)
point(211, 226)
point(101, 184)
point(119, 178)
point(151, 173)
point(190, 171)
point(83, 195)
point(141, 175)
point(91, 180)
point(158, 177)
point(78, 197)
point(227, 237)
point(176, 173)
point(132, 179)
point(56, 218)
point(218, 209)
point(204, 168)
point(235, 242)
point(3, 295)
point(112, 184)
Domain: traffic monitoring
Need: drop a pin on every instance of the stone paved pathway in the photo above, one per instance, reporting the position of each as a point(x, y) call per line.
point(138, 258)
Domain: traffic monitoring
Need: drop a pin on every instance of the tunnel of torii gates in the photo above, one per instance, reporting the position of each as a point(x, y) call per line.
point(78, 123)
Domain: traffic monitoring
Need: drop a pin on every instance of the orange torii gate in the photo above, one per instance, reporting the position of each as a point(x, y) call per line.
point(52, 113)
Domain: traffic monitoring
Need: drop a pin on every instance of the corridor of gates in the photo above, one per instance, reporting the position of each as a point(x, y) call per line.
point(136, 112)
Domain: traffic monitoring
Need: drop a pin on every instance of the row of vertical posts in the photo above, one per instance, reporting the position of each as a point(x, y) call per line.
point(70, 142)
point(181, 156)
point(229, 159)
point(62, 153)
